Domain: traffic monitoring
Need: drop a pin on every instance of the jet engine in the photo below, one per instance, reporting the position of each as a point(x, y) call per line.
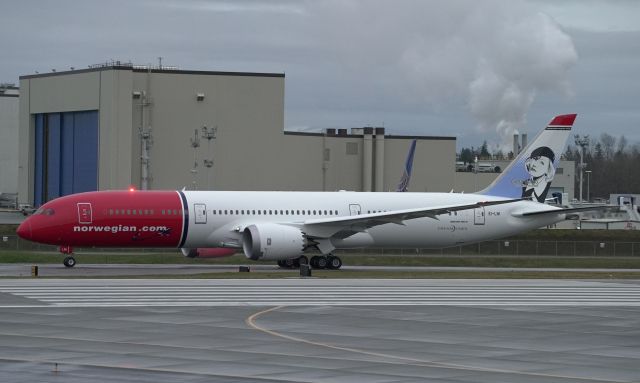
point(208, 252)
point(272, 241)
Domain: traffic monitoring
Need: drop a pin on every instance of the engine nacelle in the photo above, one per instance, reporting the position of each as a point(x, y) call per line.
point(208, 252)
point(272, 242)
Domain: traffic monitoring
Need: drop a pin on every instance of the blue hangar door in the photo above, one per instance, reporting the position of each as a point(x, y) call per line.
point(66, 154)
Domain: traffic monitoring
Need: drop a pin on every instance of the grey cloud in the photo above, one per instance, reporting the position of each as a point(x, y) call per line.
point(414, 65)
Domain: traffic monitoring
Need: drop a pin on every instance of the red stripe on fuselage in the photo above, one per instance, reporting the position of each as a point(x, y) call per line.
point(110, 219)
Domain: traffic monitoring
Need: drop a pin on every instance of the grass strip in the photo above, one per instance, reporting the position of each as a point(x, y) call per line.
point(343, 274)
point(352, 260)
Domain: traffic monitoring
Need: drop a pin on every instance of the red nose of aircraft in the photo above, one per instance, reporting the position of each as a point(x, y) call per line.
point(24, 230)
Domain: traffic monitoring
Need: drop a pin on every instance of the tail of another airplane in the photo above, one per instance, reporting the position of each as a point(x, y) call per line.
point(408, 166)
point(531, 173)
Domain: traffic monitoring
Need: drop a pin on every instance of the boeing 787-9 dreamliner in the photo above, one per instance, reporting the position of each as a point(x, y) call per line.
point(278, 226)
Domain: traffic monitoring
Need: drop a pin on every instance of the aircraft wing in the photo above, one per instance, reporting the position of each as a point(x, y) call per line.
point(343, 227)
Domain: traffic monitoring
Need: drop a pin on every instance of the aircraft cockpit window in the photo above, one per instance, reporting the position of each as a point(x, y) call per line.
point(48, 211)
point(41, 211)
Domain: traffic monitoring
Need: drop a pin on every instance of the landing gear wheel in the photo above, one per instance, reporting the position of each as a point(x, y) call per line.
point(69, 261)
point(281, 264)
point(320, 262)
point(290, 263)
point(334, 263)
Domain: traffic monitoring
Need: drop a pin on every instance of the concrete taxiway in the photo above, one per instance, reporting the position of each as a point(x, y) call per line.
point(310, 330)
point(120, 270)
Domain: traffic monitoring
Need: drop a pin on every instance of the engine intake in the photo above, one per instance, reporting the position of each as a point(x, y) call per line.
point(272, 241)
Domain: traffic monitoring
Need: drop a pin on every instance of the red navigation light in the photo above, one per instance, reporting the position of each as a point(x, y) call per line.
point(131, 188)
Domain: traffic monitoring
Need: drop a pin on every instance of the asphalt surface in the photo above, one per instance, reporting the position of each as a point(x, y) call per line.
point(312, 330)
point(120, 270)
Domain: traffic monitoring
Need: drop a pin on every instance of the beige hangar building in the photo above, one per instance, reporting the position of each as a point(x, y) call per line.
point(117, 125)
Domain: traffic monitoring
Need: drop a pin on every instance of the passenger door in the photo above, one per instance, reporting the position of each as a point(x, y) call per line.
point(354, 209)
point(200, 211)
point(479, 216)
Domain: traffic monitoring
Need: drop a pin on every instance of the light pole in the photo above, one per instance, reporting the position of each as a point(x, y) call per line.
point(582, 142)
point(588, 183)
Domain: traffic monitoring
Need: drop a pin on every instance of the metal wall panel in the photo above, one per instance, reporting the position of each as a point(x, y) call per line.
point(38, 182)
point(66, 154)
point(52, 174)
point(85, 151)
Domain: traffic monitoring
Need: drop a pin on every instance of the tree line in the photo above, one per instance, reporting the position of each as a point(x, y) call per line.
point(468, 155)
point(613, 164)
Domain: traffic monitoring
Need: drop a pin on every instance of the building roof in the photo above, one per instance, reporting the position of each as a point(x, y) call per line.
point(9, 90)
point(117, 65)
point(390, 136)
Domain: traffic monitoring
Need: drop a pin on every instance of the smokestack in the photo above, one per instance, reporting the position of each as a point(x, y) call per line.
point(367, 160)
point(516, 149)
point(378, 177)
point(524, 140)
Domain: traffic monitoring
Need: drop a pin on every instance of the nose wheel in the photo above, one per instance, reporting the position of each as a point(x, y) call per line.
point(69, 261)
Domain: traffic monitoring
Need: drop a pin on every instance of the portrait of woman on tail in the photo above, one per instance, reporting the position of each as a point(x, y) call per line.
point(540, 167)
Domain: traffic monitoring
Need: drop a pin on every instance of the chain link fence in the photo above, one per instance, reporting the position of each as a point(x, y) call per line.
point(521, 247)
point(492, 248)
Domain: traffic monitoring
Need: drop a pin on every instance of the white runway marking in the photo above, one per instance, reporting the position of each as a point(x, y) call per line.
point(299, 292)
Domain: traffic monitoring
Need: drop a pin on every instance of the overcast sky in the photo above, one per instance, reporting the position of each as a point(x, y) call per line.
point(472, 69)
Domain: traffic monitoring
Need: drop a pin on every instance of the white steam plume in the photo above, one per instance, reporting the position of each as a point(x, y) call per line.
point(496, 55)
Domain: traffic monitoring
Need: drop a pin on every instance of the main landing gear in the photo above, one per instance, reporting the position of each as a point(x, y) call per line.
point(330, 262)
point(69, 260)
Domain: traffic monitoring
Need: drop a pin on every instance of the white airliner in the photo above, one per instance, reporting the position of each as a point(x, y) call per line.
point(277, 226)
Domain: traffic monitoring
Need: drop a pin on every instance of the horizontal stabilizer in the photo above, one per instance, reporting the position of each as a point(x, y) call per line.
point(570, 210)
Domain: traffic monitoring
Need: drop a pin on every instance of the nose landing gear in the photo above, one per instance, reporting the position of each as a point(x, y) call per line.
point(69, 260)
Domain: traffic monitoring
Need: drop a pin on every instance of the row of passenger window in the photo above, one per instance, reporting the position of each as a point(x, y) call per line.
point(143, 212)
point(274, 212)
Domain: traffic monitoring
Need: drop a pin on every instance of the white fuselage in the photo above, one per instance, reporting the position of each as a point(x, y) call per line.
point(217, 219)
